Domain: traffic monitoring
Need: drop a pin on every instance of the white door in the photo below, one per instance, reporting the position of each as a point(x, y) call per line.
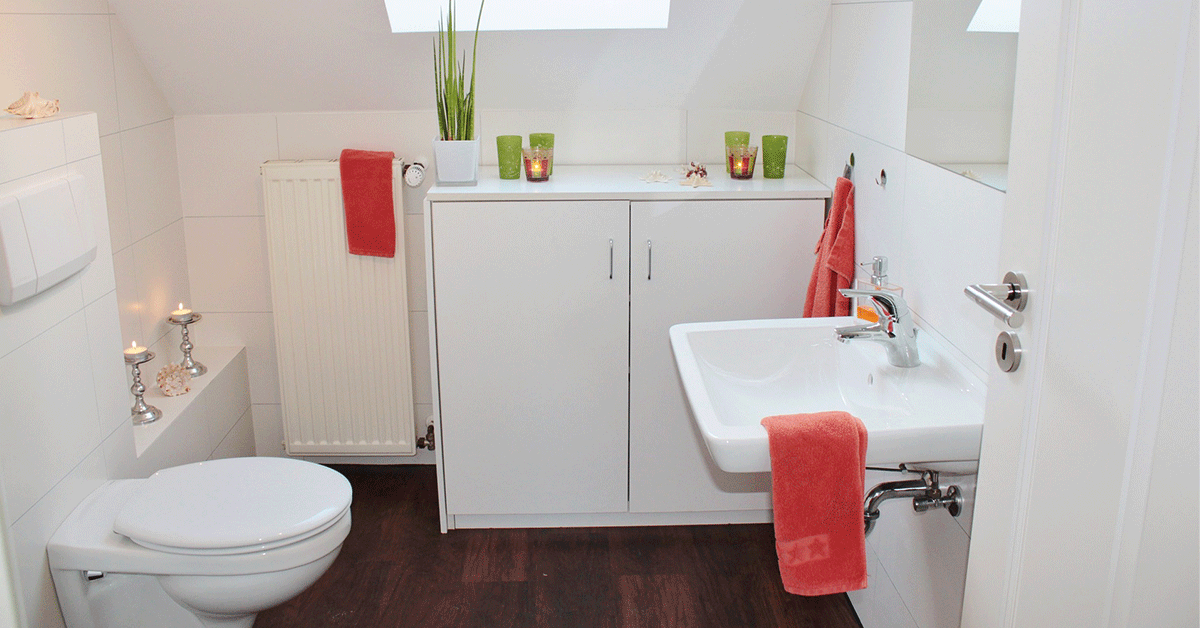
point(532, 343)
point(702, 261)
point(1086, 511)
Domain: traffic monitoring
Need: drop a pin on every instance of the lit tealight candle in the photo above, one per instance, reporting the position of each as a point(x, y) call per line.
point(134, 352)
point(181, 312)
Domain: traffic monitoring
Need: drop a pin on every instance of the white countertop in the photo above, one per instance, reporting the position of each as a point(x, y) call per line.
point(623, 183)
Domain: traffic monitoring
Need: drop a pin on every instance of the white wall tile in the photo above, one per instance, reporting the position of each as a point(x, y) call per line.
point(22, 321)
point(880, 605)
point(227, 264)
point(418, 338)
point(879, 209)
point(138, 99)
point(414, 260)
point(182, 444)
point(98, 276)
point(114, 192)
point(256, 332)
point(31, 149)
point(64, 57)
point(108, 368)
point(239, 442)
point(81, 136)
point(323, 135)
point(58, 6)
point(706, 132)
point(814, 100)
point(868, 91)
point(268, 429)
point(128, 306)
point(32, 531)
point(49, 423)
point(219, 157)
point(951, 228)
point(813, 153)
point(162, 279)
point(655, 136)
point(151, 178)
point(223, 402)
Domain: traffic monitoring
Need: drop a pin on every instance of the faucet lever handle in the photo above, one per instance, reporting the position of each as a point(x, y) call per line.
point(885, 303)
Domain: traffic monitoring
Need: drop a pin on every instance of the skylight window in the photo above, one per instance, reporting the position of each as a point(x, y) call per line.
point(421, 16)
point(996, 16)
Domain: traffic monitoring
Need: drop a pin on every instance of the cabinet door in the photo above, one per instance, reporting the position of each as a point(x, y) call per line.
point(532, 346)
point(703, 261)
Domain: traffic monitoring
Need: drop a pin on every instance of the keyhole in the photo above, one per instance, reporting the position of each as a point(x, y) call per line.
point(1004, 351)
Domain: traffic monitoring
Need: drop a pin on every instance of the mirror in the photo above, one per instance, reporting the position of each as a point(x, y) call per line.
point(960, 92)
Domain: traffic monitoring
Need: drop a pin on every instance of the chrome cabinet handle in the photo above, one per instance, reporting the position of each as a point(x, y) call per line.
point(649, 259)
point(1005, 300)
point(610, 258)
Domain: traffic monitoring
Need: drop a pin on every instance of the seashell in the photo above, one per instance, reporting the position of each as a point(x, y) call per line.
point(173, 380)
point(655, 176)
point(31, 106)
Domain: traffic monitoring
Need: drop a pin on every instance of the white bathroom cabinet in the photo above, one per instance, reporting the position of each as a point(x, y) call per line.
point(556, 396)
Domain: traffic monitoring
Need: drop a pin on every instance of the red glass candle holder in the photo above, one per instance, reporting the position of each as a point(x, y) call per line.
point(537, 163)
point(741, 161)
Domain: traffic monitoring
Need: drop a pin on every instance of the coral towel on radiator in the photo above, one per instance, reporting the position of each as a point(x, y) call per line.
point(817, 466)
point(367, 195)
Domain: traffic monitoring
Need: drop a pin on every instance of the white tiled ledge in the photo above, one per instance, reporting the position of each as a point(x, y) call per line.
point(623, 183)
point(217, 399)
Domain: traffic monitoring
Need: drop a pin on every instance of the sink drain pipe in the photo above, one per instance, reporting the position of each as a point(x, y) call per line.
point(925, 493)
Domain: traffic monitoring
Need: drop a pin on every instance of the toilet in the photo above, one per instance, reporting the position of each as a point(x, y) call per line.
point(200, 545)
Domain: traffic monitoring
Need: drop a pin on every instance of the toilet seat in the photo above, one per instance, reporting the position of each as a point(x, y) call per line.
point(209, 508)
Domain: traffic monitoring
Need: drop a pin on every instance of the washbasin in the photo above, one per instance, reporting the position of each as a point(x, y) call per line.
point(737, 372)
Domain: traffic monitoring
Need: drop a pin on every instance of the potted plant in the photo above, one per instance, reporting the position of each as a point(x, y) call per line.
point(456, 150)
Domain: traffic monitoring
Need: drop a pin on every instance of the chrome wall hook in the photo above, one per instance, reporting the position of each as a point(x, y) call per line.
point(882, 178)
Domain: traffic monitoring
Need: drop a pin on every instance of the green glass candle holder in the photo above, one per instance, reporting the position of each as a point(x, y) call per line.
point(735, 138)
point(508, 150)
point(544, 140)
point(774, 150)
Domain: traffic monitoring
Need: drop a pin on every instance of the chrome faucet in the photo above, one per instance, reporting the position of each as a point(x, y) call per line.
point(895, 328)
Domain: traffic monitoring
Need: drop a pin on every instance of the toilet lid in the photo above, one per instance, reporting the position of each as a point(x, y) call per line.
point(252, 503)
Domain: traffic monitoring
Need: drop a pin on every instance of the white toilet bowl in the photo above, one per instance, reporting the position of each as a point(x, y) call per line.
point(199, 546)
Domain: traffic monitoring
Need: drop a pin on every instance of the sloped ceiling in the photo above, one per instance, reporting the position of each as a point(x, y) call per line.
point(225, 56)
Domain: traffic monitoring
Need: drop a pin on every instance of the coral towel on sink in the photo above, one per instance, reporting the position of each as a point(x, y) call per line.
point(817, 466)
point(367, 196)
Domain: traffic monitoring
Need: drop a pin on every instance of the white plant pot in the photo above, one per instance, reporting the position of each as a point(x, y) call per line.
point(457, 161)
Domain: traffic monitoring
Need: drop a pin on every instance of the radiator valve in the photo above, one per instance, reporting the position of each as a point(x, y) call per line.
point(426, 441)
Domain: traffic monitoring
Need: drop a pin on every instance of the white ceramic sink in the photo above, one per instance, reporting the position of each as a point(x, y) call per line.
point(737, 372)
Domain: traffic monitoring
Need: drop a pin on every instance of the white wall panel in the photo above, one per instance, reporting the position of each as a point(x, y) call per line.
point(138, 99)
point(49, 422)
point(868, 91)
point(256, 332)
point(227, 264)
point(323, 135)
point(219, 158)
point(585, 136)
point(162, 280)
point(64, 57)
point(152, 178)
point(950, 235)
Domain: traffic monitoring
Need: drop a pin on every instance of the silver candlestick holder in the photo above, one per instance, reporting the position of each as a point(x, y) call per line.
point(190, 366)
point(141, 412)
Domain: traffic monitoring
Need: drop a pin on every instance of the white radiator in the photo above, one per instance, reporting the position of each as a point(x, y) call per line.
point(341, 320)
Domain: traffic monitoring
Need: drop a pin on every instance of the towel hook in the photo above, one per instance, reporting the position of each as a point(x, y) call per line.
point(848, 171)
point(882, 178)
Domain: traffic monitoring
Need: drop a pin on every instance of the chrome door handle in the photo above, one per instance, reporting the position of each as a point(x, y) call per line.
point(610, 258)
point(649, 259)
point(1005, 300)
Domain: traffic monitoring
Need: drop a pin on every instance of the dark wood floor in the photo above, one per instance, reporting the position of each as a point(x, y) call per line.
point(397, 569)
